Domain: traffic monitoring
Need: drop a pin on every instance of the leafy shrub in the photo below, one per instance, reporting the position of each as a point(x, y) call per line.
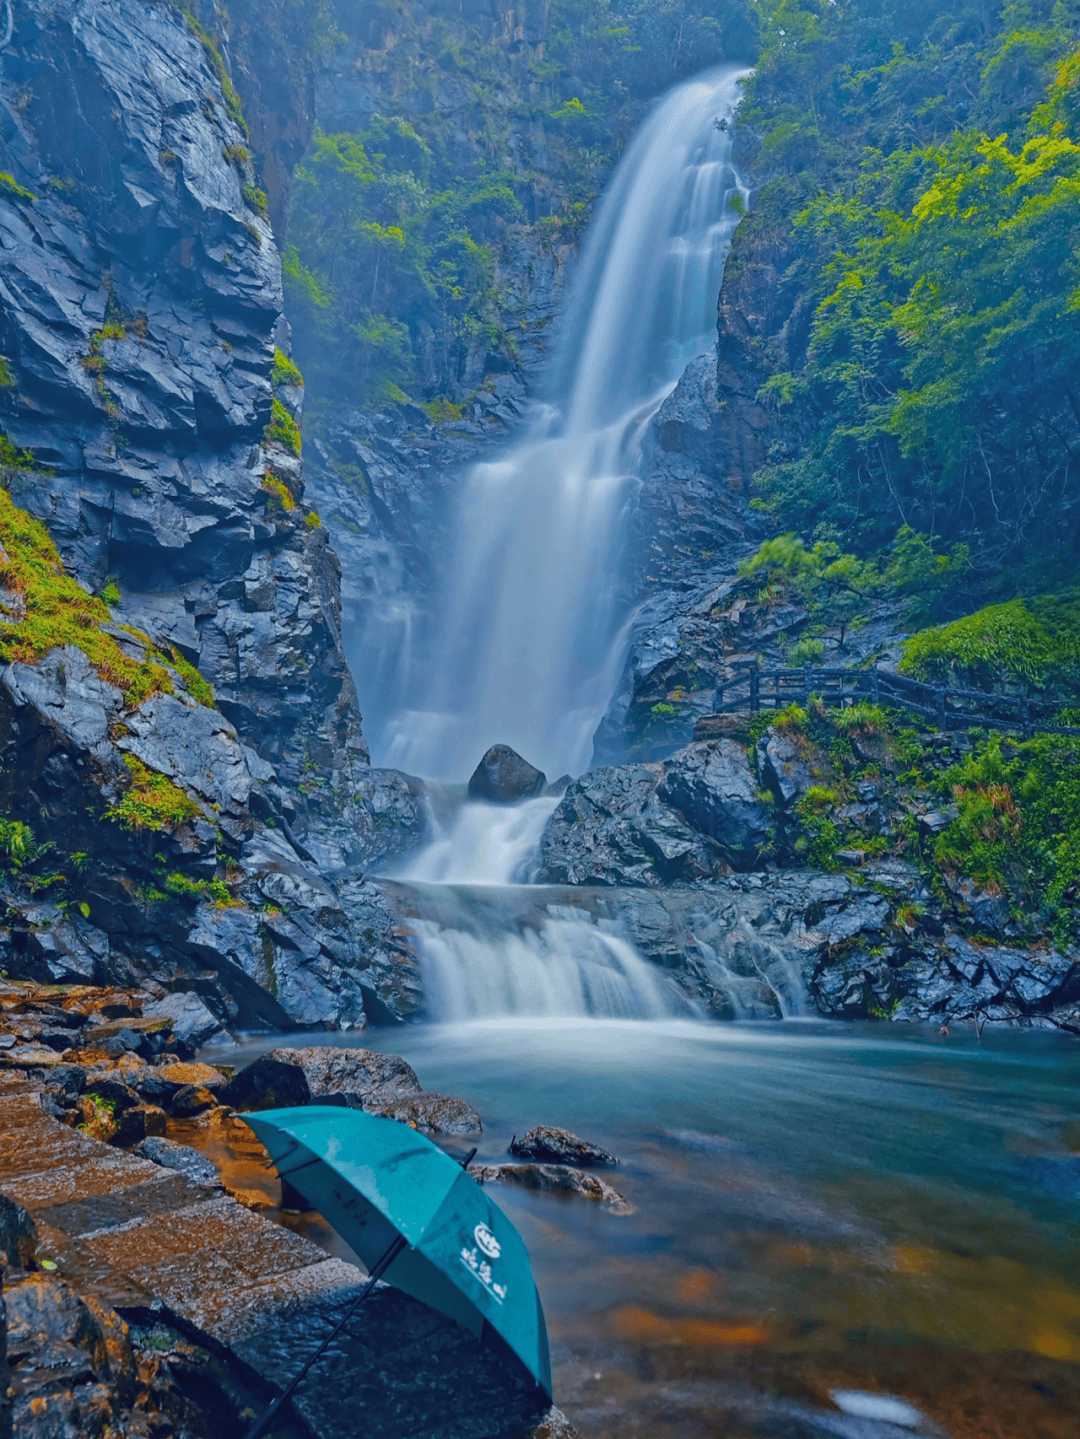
point(279, 493)
point(1036, 643)
point(151, 801)
point(284, 371)
point(10, 186)
point(282, 429)
point(58, 611)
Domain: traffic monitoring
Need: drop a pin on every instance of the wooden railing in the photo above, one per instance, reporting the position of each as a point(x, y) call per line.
point(753, 688)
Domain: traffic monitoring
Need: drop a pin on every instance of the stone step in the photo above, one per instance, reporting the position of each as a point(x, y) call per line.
point(141, 1237)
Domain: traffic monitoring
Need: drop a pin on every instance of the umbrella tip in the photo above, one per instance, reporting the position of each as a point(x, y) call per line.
point(468, 1158)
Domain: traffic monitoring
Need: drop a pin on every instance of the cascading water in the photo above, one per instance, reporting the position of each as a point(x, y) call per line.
point(530, 638)
point(533, 617)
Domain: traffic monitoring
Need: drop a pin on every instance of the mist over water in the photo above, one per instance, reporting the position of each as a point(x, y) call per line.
point(531, 629)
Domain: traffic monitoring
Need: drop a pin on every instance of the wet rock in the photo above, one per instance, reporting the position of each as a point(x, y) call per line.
point(139, 1123)
point(734, 725)
point(354, 1078)
point(18, 1235)
point(392, 818)
point(553, 1179)
point(712, 786)
point(433, 1114)
point(559, 1146)
point(171, 1154)
point(74, 1372)
point(691, 818)
point(192, 1099)
point(555, 1425)
point(783, 768)
point(191, 1022)
point(503, 777)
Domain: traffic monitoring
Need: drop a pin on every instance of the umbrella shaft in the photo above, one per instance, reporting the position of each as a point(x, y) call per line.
point(373, 1278)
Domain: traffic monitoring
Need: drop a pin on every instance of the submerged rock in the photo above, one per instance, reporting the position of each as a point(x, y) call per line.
point(434, 1114)
point(503, 777)
point(554, 1179)
point(559, 1146)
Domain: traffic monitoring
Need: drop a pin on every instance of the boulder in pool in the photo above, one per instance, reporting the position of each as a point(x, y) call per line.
point(503, 777)
point(559, 1146)
point(433, 1114)
point(353, 1078)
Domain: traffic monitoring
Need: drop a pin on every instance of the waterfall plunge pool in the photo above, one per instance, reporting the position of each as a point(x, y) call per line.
point(826, 1216)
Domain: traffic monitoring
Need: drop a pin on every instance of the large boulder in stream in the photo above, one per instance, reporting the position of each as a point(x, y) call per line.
point(693, 817)
point(503, 777)
point(353, 1078)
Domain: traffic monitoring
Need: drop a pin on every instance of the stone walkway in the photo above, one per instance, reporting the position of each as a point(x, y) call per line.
point(145, 1239)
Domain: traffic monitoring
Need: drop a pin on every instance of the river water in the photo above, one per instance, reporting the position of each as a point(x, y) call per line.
point(821, 1211)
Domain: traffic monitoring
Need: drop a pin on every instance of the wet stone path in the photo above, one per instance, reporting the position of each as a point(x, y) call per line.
point(146, 1240)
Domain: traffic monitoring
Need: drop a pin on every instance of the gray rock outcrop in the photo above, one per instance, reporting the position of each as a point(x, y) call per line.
point(690, 818)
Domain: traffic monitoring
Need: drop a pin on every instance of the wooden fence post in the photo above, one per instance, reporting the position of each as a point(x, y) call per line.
point(806, 673)
point(874, 685)
point(941, 715)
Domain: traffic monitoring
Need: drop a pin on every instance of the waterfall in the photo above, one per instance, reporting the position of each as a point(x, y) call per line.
point(532, 620)
point(564, 967)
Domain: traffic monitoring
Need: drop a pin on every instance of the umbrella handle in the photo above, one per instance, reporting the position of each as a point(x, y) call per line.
point(400, 1243)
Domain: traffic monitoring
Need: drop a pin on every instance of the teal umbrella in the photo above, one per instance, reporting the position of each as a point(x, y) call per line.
point(416, 1219)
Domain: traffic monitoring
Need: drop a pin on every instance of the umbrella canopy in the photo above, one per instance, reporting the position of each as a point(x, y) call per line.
point(375, 1180)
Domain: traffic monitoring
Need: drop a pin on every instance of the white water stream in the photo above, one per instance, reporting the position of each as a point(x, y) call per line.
point(532, 622)
point(533, 618)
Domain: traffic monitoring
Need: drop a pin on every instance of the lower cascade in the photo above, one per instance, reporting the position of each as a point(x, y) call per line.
point(567, 966)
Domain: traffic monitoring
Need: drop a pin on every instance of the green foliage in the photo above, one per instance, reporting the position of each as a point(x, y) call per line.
point(111, 594)
point(925, 164)
point(442, 411)
point(13, 459)
point(1018, 827)
point(217, 64)
point(10, 186)
point(311, 520)
point(54, 610)
point(17, 844)
point(1036, 643)
point(198, 688)
point(836, 588)
point(256, 200)
point(7, 378)
point(151, 801)
point(218, 890)
point(279, 492)
point(282, 429)
point(285, 371)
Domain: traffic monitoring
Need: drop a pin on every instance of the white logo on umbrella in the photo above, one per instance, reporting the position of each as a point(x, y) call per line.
point(487, 1241)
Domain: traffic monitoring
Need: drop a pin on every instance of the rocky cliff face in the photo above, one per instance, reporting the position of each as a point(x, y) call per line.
point(151, 429)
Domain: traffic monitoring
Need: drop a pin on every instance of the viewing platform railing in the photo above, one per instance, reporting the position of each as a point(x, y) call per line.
point(753, 688)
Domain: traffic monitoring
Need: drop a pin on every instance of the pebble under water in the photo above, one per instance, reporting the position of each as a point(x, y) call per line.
point(856, 1231)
